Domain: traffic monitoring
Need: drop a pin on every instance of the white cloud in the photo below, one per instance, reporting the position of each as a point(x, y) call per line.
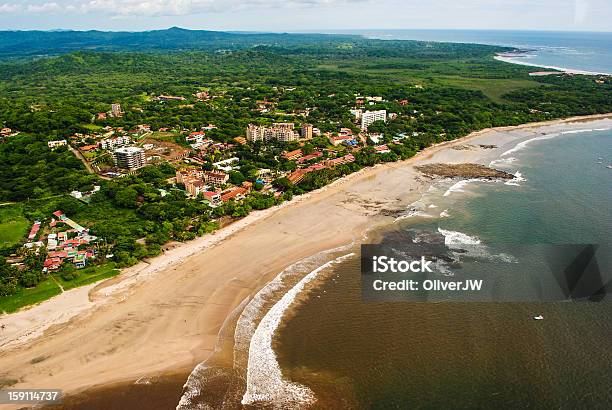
point(43, 8)
point(10, 8)
point(139, 8)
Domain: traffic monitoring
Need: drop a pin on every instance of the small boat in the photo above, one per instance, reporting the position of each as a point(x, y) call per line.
point(538, 317)
point(609, 166)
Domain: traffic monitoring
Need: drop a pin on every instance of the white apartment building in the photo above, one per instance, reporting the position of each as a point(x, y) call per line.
point(369, 117)
point(112, 143)
point(129, 157)
point(58, 143)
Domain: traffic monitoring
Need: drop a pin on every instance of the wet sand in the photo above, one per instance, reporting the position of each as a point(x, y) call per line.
point(164, 317)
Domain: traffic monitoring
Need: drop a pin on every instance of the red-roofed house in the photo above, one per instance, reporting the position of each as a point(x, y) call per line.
point(293, 154)
point(34, 230)
point(308, 157)
point(382, 149)
point(236, 193)
point(212, 197)
point(339, 161)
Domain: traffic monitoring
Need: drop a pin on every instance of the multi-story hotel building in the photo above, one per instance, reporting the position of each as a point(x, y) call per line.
point(129, 158)
point(369, 117)
point(284, 131)
point(306, 131)
point(216, 178)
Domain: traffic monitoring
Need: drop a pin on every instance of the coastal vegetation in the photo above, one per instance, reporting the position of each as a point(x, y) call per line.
point(437, 91)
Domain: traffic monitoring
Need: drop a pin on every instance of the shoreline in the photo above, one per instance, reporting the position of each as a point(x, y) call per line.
point(562, 70)
point(182, 311)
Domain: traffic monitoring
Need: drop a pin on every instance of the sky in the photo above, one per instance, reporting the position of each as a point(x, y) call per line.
point(306, 15)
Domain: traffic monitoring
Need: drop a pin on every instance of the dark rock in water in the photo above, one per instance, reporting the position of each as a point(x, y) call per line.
point(392, 212)
point(465, 170)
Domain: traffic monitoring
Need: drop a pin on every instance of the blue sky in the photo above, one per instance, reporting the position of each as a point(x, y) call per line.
point(302, 15)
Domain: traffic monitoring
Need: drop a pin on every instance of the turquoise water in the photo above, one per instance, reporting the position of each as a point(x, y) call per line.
point(572, 50)
point(360, 354)
point(565, 199)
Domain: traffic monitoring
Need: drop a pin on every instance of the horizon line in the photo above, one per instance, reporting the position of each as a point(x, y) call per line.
point(309, 31)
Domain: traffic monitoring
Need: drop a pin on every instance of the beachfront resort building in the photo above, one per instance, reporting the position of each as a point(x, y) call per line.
point(284, 131)
point(368, 117)
point(129, 158)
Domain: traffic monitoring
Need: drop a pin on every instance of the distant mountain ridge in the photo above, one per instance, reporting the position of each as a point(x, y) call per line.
point(40, 43)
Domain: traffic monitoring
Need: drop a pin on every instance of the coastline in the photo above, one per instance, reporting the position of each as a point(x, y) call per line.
point(172, 322)
point(514, 60)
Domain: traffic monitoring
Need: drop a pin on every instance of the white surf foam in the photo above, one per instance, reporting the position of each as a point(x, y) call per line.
point(453, 238)
point(502, 161)
point(518, 177)
point(459, 186)
point(432, 206)
point(265, 383)
point(246, 325)
point(444, 214)
point(521, 145)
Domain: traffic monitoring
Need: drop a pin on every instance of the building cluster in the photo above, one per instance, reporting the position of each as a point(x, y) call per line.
point(74, 244)
point(284, 131)
point(299, 174)
point(209, 184)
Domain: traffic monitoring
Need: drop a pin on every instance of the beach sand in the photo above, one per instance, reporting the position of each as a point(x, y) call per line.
point(164, 316)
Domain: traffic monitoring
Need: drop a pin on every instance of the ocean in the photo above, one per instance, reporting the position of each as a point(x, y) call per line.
point(310, 337)
point(353, 353)
point(579, 51)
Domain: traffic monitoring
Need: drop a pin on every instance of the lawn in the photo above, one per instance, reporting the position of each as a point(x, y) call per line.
point(13, 225)
point(89, 275)
point(49, 287)
point(92, 127)
point(24, 297)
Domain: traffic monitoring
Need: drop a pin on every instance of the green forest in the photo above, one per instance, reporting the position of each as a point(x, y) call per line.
point(449, 90)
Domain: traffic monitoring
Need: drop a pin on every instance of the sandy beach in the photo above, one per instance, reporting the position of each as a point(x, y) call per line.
point(165, 315)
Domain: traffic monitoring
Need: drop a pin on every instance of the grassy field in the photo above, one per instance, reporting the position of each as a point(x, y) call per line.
point(24, 297)
point(89, 275)
point(494, 88)
point(13, 225)
point(51, 287)
point(92, 127)
point(461, 74)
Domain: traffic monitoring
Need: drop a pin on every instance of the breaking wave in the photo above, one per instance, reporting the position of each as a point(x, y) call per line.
point(265, 383)
point(523, 144)
point(518, 177)
point(444, 214)
point(453, 239)
point(250, 311)
point(502, 161)
point(459, 186)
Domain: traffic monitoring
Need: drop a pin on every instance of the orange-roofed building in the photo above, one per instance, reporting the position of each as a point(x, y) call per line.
point(236, 193)
point(293, 154)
